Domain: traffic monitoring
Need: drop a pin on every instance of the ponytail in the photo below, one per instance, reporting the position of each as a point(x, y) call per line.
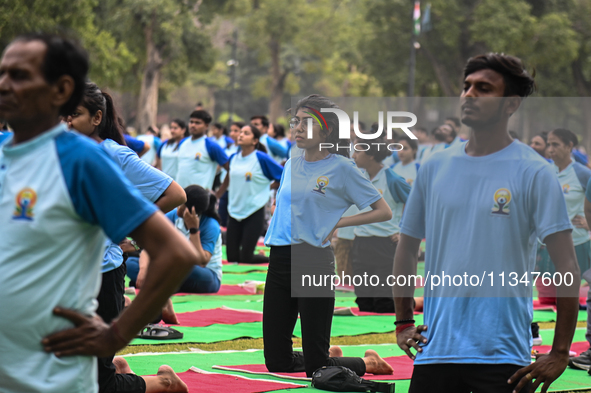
point(257, 134)
point(111, 126)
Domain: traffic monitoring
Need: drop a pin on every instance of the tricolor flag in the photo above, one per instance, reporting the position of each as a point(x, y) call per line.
point(416, 17)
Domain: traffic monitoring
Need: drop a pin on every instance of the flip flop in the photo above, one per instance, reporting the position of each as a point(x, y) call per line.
point(159, 332)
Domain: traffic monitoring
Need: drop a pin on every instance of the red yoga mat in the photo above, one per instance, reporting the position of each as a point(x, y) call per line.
point(577, 347)
point(201, 381)
point(224, 315)
point(402, 366)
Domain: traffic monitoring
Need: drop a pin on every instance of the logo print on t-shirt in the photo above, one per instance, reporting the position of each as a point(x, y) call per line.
point(248, 176)
point(198, 156)
point(321, 184)
point(25, 201)
point(502, 199)
point(566, 188)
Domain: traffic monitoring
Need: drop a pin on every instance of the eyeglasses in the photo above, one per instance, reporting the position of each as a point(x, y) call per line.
point(294, 122)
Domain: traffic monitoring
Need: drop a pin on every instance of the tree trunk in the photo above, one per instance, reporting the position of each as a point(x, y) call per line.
point(583, 88)
point(277, 82)
point(148, 98)
point(440, 72)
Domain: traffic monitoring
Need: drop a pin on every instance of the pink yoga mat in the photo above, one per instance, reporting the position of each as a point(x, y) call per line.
point(224, 316)
point(207, 382)
point(402, 366)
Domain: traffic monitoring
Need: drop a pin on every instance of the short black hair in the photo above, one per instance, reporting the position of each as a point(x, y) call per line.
point(279, 130)
point(220, 126)
point(64, 56)
point(377, 149)
point(565, 136)
point(201, 115)
point(411, 142)
point(455, 120)
point(264, 120)
point(517, 80)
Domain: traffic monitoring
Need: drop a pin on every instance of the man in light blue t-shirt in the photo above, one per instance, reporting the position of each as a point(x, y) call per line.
point(481, 205)
point(60, 194)
point(199, 156)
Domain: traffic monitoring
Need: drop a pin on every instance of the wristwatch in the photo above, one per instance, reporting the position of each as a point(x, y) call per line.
point(193, 231)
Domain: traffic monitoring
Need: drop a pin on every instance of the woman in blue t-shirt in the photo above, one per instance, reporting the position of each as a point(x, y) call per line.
point(375, 243)
point(167, 154)
point(573, 178)
point(316, 189)
point(199, 222)
point(97, 118)
point(252, 172)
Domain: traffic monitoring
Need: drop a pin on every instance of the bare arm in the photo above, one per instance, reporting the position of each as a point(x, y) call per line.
point(405, 264)
point(172, 197)
point(221, 191)
point(158, 163)
point(548, 368)
point(144, 150)
point(380, 212)
point(171, 260)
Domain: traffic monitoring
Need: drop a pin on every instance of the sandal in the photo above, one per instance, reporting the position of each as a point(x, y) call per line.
point(159, 332)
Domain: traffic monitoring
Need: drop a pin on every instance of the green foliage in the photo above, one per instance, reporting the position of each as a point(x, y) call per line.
point(109, 58)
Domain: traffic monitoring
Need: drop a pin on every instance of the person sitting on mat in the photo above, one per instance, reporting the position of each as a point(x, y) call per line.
point(198, 220)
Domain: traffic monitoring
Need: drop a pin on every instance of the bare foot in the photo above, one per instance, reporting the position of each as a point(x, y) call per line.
point(374, 364)
point(171, 381)
point(335, 352)
point(121, 366)
point(168, 315)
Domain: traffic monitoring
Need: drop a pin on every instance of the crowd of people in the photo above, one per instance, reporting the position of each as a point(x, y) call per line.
point(86, 204)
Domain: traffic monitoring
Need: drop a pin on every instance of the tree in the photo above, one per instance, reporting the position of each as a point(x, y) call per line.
point(169, 40)
point(109, 60)
point(289, 38)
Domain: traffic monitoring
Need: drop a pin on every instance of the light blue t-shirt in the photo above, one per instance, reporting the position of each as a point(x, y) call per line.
point(408, 171)
point(198, 161)
point(275, 149)
point(250, 178)
point(210, 235)
point(321, 192)
point(573, 180)
point(150, 182)
point(59, 195)
point(154, 142)
point(394, 189)
point(482, 215)
point(169, 157)
point(428, 153)
point(423, 148)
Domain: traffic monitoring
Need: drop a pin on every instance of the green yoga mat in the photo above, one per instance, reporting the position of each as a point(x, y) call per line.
point(341, 326)
point(233, 279)
point(148, 364)
point(243, 268)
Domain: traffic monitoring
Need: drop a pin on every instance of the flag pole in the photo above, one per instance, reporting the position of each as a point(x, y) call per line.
point(413, 47)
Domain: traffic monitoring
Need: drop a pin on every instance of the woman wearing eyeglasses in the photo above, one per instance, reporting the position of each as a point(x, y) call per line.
point(315, 190)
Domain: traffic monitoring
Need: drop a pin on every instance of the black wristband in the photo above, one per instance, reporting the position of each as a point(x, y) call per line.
point(403, 321)
point(193, 231)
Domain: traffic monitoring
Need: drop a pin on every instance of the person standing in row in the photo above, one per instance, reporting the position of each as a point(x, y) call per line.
point(251, 174)
point(168, 155)
point(199, 156)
